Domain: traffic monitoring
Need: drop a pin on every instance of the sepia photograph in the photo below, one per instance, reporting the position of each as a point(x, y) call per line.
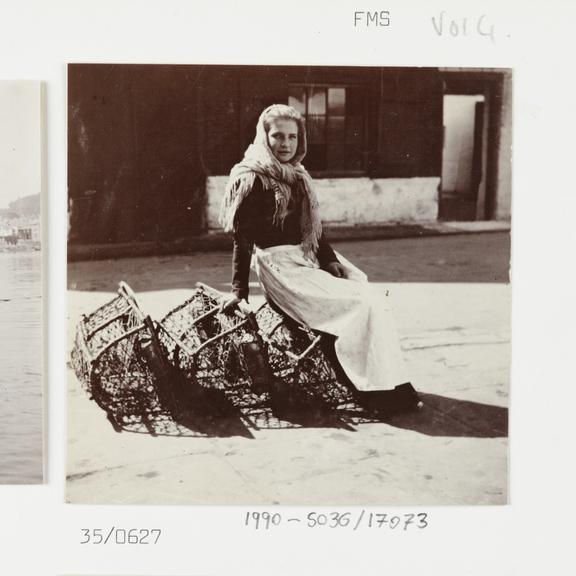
point(288, 285)
point(21, 324)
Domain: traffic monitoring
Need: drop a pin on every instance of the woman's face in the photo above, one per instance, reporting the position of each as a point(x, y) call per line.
point(283, 138)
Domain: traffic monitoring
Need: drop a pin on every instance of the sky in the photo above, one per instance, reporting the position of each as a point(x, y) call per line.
point(20, 139)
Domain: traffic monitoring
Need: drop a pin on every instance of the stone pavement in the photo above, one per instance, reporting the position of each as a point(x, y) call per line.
point(456, 338)
point(221, 241)
point(450, 258)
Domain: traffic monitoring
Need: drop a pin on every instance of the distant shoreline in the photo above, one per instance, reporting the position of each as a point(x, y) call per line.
point(27, 247)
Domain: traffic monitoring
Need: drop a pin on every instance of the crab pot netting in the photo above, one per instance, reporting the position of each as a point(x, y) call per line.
point(214, 349)
point(95, 331)
point(111, 357)
point(145, 374)
point(296, 356)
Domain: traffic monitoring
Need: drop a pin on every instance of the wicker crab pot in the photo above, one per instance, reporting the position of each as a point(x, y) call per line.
point(301, 359)
point(202, 369)
point(270, 368)
point(117, 358)
point(216, 350)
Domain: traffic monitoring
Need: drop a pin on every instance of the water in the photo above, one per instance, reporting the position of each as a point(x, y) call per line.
point(20, 368)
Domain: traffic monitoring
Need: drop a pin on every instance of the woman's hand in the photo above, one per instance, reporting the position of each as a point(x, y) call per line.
point(336, 269)
point(229, 300)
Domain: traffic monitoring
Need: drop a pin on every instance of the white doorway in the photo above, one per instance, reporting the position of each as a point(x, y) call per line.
point(463, 157)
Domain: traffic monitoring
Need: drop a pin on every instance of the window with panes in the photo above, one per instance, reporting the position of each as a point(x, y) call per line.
point(336, 126)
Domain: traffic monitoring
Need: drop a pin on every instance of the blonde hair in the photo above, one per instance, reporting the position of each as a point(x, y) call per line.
point(282, 111)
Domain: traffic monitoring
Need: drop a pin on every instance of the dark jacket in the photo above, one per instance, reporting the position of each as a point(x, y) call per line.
point(254, 226)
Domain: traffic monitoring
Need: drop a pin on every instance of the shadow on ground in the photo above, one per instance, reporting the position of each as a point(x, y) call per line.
point(190, 426)
point(442, 416)
point(202, 424)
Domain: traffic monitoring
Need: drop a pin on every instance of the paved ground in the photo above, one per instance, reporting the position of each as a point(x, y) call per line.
point(221, 241)
point(456, 340)
point(461, 258)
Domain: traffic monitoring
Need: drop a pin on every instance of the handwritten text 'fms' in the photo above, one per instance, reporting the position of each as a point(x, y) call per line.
point(379, 19)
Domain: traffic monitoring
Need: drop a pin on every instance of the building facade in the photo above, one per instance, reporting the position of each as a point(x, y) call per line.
point(150, 147)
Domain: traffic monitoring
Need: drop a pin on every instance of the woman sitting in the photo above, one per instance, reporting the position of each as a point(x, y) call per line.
point(272, 210)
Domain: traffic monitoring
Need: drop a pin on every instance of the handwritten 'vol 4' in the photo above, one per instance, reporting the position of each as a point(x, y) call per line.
point(444, 25)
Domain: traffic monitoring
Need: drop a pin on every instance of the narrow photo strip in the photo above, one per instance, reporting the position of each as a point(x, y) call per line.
point(21, 321)
point(288, 285)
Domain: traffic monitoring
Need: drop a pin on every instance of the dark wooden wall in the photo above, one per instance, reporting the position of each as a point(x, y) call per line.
point(143, 138)
point(134, 170)
point(404, 108)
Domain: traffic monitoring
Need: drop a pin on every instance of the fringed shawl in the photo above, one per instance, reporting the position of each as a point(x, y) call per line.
point(278, 177)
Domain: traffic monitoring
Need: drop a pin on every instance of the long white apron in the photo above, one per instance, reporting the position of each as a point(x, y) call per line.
point(367, 343)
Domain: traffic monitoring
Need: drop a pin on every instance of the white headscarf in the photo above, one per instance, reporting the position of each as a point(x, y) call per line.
point(259, 162)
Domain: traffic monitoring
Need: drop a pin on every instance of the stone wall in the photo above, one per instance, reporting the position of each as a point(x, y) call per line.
point(356, 201)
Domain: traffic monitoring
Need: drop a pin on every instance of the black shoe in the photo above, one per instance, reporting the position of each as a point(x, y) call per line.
point(402, 399)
